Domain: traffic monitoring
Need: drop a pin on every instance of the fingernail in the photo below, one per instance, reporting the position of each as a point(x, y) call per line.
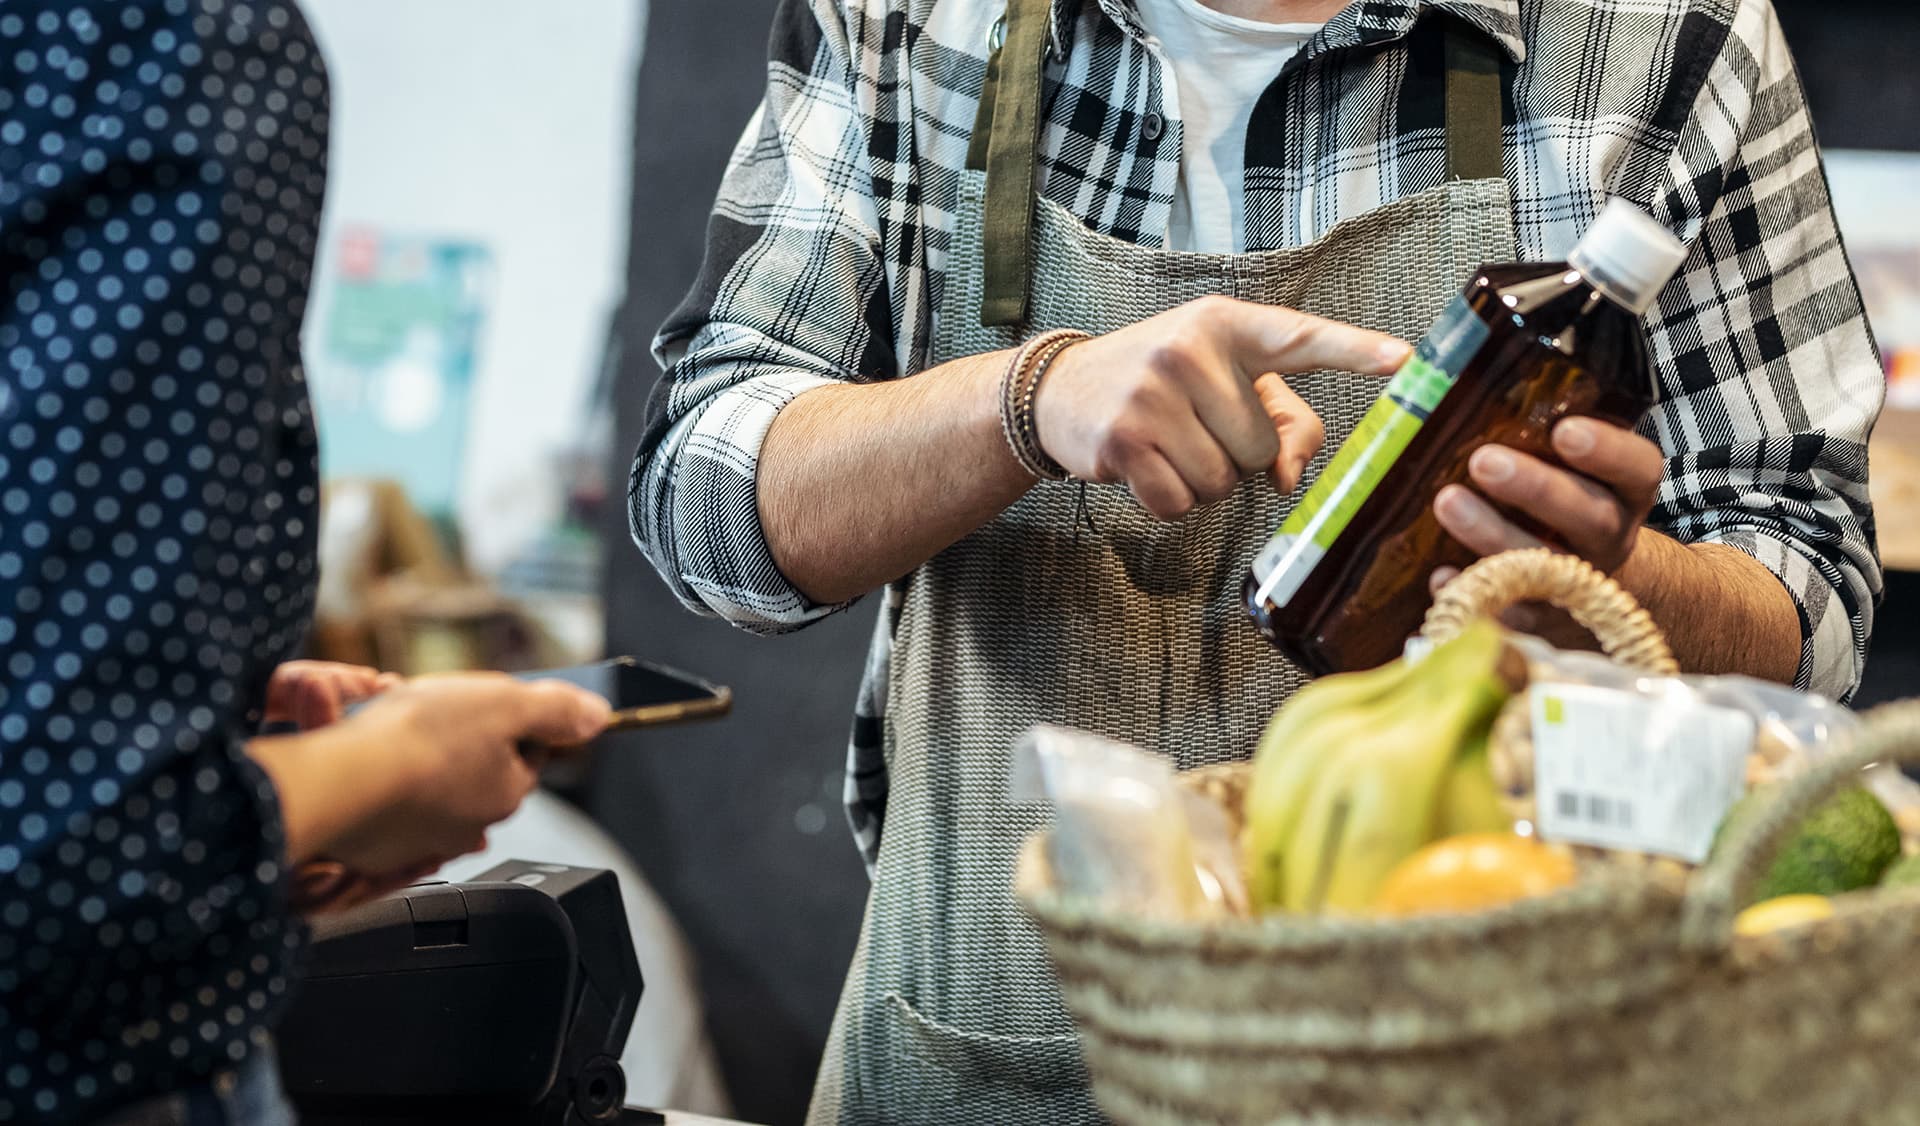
point(1574, 436)
point(1492, 464)
point(319, 883)
point(1393, 353)
point(1461, 508)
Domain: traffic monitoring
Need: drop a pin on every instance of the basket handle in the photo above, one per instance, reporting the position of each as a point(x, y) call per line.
point(1889, 733)
point(1601, 606)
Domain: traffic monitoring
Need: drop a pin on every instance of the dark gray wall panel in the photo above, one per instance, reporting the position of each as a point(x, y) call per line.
point(737, 823)
point(1856, 59)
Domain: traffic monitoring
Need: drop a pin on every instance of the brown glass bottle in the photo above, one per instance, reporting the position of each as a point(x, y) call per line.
point(1545, 340)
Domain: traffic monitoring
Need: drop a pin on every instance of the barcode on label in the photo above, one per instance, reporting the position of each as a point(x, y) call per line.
point(1594, 809)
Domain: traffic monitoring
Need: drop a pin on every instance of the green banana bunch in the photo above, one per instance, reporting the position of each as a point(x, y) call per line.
point(1360, 770)
point(1380, 800)
point(1470, 800)
point(1299, 741)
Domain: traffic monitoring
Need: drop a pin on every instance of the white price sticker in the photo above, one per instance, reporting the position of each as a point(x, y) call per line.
point(1621, 770)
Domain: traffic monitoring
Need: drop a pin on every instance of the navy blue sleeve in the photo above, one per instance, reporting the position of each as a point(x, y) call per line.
point(161, 173)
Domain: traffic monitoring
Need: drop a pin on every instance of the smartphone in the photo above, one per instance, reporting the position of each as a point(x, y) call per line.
point(644, 694)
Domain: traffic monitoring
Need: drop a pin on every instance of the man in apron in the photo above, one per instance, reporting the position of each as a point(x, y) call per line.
point(1246, 204)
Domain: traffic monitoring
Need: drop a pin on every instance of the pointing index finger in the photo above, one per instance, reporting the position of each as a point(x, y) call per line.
point(1273, 339)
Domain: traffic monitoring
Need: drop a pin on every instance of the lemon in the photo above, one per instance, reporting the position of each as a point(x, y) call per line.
point(1472, 872)
point(1780, 912)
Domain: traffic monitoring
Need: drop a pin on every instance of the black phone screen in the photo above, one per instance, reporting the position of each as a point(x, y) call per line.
point(643, 693)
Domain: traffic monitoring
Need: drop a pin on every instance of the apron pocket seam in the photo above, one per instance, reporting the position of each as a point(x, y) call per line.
point(1040, 1063)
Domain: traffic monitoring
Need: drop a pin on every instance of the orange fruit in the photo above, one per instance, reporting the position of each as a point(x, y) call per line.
point(1472, 872)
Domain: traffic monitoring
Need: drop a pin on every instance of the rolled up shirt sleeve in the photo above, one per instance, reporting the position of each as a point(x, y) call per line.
point(1769, 382)
point(791, 297)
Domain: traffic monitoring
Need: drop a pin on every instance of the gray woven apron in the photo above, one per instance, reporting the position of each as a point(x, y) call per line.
point(1105, 620)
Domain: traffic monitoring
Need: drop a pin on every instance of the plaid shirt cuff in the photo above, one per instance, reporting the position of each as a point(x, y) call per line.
point(693, 508)
point(1833, 639)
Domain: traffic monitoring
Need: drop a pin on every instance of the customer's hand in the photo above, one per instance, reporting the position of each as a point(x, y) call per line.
point(1183, 406)
point(327, 887)
point(415, 778)
point(467, 749)
point(311, 694)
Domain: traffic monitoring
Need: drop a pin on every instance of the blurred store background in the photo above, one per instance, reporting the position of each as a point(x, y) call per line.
point(459, 348)
point(518, 197)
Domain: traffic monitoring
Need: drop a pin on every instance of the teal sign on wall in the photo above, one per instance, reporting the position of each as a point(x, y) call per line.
point(392, 375)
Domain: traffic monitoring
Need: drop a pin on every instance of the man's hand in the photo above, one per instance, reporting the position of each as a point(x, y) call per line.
point(1593, 508)
point(1183, 406)
point(311, 694)
point(1721, 610)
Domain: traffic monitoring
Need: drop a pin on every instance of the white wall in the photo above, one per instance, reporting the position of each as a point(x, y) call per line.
point(506, 122)
point(1873, 194)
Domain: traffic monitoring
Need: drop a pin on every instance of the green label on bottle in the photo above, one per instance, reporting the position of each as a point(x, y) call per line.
point(1362, 462)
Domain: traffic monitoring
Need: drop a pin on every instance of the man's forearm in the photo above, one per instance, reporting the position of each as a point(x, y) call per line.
point(1722, 611)
point(860, 484)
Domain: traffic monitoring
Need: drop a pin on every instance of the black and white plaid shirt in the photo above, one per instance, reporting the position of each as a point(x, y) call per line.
point(828, 246)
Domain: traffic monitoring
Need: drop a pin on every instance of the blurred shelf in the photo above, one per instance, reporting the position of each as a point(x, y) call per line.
point(1893, 460)
point(576, 623)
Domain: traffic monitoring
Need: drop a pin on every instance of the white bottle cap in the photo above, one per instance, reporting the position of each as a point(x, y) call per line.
point(1627, 255)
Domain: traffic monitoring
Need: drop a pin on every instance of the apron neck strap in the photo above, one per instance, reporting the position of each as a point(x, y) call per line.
point(1006, 137)
point(1473, 106)
point(1013, 138)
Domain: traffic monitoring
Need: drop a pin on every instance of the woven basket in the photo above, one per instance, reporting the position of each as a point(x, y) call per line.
point(1623, 999)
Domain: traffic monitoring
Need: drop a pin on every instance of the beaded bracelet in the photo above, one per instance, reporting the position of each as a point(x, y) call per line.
point(1018, 390)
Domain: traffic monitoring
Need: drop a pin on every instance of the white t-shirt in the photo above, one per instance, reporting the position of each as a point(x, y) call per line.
point(1222, 65)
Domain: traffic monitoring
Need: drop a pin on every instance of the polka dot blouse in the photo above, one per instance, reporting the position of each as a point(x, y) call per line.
point(161, 170)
